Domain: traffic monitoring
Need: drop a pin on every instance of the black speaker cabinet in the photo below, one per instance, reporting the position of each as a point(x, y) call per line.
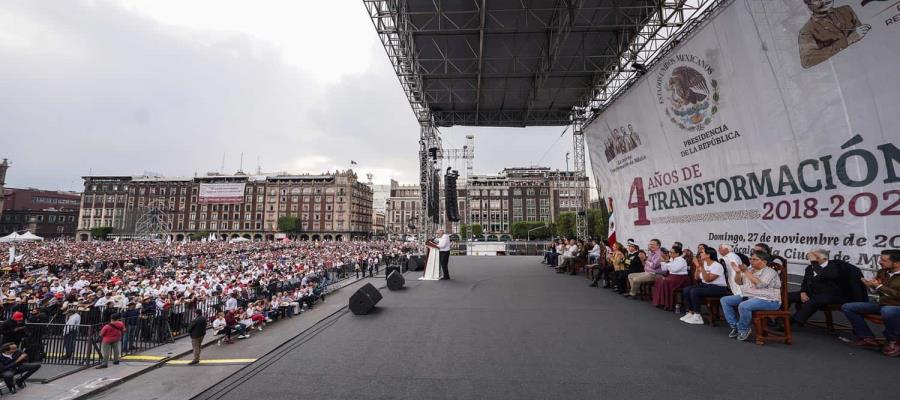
point(388, 270)
point(364, 300)
point(416, 263)
point(395, 280)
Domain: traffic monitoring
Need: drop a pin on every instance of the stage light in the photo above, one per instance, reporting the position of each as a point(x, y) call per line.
point(639, 67)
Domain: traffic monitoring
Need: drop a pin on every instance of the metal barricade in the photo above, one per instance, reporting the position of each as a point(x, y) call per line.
point(62, 344)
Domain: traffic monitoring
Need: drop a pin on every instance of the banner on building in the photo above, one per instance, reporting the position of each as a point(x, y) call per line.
point(776, 122)
point(221, 193)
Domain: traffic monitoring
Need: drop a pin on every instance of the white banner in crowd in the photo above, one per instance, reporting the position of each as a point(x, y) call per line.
point(222, 193)
point(776, 122)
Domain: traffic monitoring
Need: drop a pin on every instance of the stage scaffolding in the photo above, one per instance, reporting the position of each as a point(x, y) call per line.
point(516, 63)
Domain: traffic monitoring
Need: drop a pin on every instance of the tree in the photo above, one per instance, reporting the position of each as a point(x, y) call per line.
point(477, 230)
point(289, 225)
point(597, 223)
point(200, 235)
point(565, 225)
point(101, 232)
point(537, 229)
point(463, 231)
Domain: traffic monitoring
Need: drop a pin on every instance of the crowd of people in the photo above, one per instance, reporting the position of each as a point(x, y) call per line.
point(156, 290)
point(679, 279)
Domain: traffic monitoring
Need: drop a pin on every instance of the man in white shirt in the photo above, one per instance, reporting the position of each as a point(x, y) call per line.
point(594, 254)
point(70, 332)
point(443, 244)
point(231, 303)
point(731, 257)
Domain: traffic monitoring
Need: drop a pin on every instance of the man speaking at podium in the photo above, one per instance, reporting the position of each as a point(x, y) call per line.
point(443, 244)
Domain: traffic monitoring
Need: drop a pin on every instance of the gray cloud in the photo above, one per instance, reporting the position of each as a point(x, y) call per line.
point(100, 89)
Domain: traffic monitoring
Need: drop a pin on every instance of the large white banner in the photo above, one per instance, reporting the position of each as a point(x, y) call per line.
point(222, 193)
point(777, 122)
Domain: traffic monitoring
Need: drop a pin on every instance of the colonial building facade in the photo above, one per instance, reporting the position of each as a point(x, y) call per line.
point(495, 201)
point(331, 206)
point(46, 213)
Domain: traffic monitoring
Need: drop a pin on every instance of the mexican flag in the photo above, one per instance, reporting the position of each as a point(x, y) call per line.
point(611, 235)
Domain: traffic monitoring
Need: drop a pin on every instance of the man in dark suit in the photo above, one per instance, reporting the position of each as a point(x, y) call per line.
point(821, 286)
point(12, 362)
point(197, 330)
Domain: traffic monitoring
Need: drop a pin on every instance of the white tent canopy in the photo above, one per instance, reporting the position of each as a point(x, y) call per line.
point(16, 237)
point(30, 236)
point(239, 240)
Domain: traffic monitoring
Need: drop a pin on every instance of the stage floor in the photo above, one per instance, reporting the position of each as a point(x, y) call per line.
point(510, 328)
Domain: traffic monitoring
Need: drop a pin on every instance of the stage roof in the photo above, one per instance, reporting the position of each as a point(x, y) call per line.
point(511, 63)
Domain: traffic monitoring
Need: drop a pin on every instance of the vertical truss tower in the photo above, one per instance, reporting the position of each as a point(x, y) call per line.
point(154, 221)
point(581, 228)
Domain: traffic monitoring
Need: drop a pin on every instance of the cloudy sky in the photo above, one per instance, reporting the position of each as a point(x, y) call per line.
point(127, 86)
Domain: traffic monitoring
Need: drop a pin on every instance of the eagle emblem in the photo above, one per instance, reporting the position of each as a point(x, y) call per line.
point(692, 98)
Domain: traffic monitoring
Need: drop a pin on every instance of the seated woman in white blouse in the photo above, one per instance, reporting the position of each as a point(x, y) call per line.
point(676, 277)
point(712, 282)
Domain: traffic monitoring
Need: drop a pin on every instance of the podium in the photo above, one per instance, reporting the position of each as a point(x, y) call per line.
point(432, 264)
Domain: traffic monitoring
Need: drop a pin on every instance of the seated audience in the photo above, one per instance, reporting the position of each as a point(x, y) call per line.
point(886, 284)
point(820, 287)
point(595, 252)
point(651, 268)
point(676, 277)
point(624, 261)
point(711, 276)
point(602, 268)
point(568, 256)
point(14, 362)
point(727, 256)
point(760, 289)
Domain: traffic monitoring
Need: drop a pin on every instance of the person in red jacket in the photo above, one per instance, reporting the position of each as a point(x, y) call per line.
point(111, 340)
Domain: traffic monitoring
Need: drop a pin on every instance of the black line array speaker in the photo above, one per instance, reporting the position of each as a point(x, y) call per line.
point(450, 196)
point(364, 300)
point(395, 280)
